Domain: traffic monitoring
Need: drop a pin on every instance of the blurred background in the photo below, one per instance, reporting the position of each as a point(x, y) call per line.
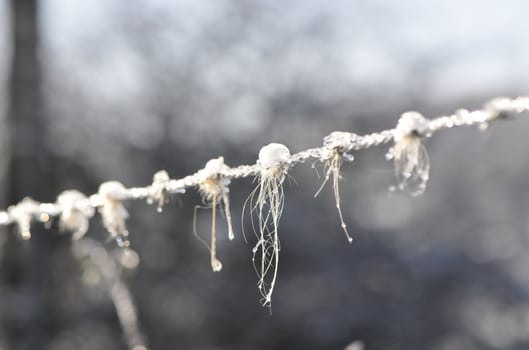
point(115, 90)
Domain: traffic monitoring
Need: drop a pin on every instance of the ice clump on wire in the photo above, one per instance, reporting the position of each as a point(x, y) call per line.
point(111, 195)
point(335, 148)
point(410, 158)
point(76, 212)
point(22, 214)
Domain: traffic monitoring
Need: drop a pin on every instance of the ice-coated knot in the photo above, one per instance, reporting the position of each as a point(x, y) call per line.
point(112, 190)
point(339, 139)
point(212, 181)
point(71, 200)
point(161, 178)
point(113, 212)
point(274, 156)
point(76, 212)
point(411, 124)
point(158, 189)
point(499, 107)
point(338, 142)
point(22, 213)
point(214, 167)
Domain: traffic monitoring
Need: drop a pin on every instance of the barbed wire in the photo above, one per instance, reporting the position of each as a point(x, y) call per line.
point(74, 210)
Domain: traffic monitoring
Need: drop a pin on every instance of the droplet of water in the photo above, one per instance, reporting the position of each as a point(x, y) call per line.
point(216, 265)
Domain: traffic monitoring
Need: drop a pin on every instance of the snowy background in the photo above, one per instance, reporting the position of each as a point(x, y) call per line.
point(131, 87)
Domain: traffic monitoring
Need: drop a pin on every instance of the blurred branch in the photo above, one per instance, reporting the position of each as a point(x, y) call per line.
point(118, 290)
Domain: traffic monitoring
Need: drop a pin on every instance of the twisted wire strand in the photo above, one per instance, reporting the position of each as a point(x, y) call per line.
point(29, 210)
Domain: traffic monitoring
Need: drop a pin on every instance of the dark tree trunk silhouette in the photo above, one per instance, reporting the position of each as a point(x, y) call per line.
point(28, 262)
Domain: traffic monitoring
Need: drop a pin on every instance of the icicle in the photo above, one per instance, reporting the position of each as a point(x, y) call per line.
point(335, 147)
point(22, 214)
point(113, 212)
point(214, 188)
point(274, 160)
point(158, 190)
point(412, 166)
point(76, 212)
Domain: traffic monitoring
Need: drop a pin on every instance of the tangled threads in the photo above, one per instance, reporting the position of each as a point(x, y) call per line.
point(410, 159)
point(214, 188)
point(273, 163)
point(336, 145)
point(74, 210)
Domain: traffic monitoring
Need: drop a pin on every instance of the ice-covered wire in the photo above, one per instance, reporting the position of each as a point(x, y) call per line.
point(73, 209)
point(113, 194)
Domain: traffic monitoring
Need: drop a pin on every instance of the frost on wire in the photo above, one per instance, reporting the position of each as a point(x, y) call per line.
point(73, 210)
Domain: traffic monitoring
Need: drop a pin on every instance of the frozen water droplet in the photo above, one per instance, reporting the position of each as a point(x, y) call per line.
point(348, 157)
point(216, 265)
point(159, 209)
point(389, 155)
